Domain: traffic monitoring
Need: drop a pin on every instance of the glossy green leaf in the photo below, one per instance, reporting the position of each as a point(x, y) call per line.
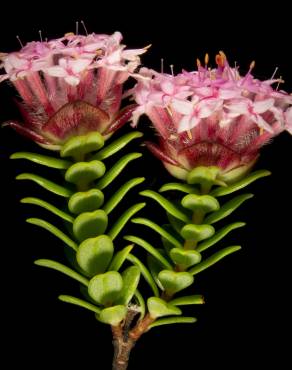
point(202, 203)
point(158, 229)
point(79, 302)
point(106, 288)
point(218, 236)
point(227, 208)
point(185, 258)
point(39, 202)
point(176, 224)
point(141, 304)
point(64, 269)
point(197, 232)
point(119, 194)
point(220, 191)
point(145, 273)
point(155, 267)
point(116, 169)
point(117, 145)
point(149, 248)
point(210, 261)
point(44, 160)
point(174, 282)
point(113, 315)
point(205, 176)
point(157, 307)
point(177, 186)
point(78, 146)
point(83, 173)
point(46, 184)
point(90, 224)
point(119, 258)
point(54, 230)
point(131, 277)
point(95, 254)
point(173, 320)
point(166, 204)
point(123, 219)
point(86, 201)
point(188, 300)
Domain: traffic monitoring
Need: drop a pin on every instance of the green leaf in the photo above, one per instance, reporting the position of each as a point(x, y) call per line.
point(205, 176)
point(54, 230)
point(113, 315)
point(158, 229)
point(49, 207)
point(155, 267)
point(210, 261)
point(176, 224)
point(117, 145)
point(149, 248)
point(116, 169)
point(197, 232)
point(62, 268)
point(174, 282)
point(90, 224)
point(78, 146)
point(131, 277)
point(145, 273)
point(83, 173)
point(173, 320)
point(202, 203)
point(79, 302)
point(157, 307)
point(188, 300)
point(44, 160)
point(119, 258)
point(185, 188)
point(166, 204)
point(141, 304)
point(86, 201)
point(227, 208)
point(218, 236)
point(220, 191)
point(119, 195)
point(123, 219)
point(95, 254)
point(46, 184)
point(106, 288)
point(185, 258)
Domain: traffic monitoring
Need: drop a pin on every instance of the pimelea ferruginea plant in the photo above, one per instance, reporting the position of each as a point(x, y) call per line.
point(211, 123)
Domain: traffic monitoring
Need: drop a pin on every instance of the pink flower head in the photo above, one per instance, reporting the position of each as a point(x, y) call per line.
point(71, 85)
point(211, 117)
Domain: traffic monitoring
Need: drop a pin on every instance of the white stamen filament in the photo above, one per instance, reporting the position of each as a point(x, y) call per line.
point(77, 27)
point(171, 68)
point(162, 65)
point(18, 38)
point(274, 74)
point(85, 29)
point(41, 37)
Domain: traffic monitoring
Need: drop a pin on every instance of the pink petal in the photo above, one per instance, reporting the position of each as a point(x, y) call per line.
point(263, 106)
point(183, 107)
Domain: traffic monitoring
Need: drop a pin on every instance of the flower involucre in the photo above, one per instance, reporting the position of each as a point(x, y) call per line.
point(211, 117)
point(70, 85)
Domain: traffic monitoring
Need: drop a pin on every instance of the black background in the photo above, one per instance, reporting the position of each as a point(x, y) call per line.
point(245, 320)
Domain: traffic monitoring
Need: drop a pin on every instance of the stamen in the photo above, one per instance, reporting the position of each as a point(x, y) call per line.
point(251, 66)
point(77, 28)
point(162, 65)
point(41, 37)
point(280, 81)
point(169, 110)
point(171, 68)
point(18, 38)
point(198, 63)
point(206, 59)
point(274, 74)
point(261, 130)
point(190, 134)
point(85, 29)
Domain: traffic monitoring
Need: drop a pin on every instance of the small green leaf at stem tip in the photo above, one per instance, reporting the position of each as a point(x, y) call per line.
point(90, 224)
point(185, 258)
point(227, 208)
point(78, 146)
point(197, 232)
point(116, 145)
point(220, 191)
point(106, 288)
point(220, 234)
point(131, 277)
point(173, 320)
point(166, 204)
point(158, 229)
point(54, 230)
point(62, 268)
point(116, 169)
point(174, 282)
point(86, 201)
point(150, 249)
point(113, 315)
point(185, 188)
point(216, 257)
point(202, 203)
point(79, 302)
point(39, 202)
point(120, 193)
point(123, 219)
point(83, 173)
point(46, 184)
point(188, 300)
point(157, 307)
point(43, 160)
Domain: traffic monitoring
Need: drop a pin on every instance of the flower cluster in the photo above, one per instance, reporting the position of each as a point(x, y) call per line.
point(70, 85)
point(211, 117)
